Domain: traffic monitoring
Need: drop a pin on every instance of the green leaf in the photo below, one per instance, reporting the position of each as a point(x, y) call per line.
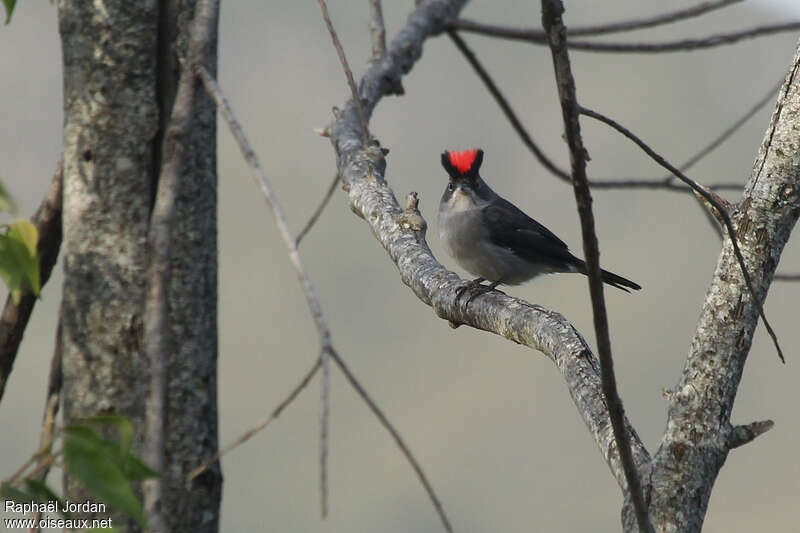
point(24, 231)
point(6, 201)
point(42, 493)
point(9, 492)
point(9, 9)
point(19, 262)
point(96, 463)
point(102, 530)
point(123, 425)
point(134, 469)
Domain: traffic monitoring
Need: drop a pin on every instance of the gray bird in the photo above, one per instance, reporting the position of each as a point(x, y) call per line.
point(491, 238)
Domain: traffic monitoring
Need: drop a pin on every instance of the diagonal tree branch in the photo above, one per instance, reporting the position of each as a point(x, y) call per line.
point(14, 318)
point(362, 170)
point(247, 435)
point(728, 132)
point(552, 11)
point(699, 433)
point(318, 211)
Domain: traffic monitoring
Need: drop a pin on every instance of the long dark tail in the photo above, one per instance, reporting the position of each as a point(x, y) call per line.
point(609, 277)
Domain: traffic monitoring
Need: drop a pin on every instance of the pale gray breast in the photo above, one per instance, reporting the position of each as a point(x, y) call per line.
point(465, 237)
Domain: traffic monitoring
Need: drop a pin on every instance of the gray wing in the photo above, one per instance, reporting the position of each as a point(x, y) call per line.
point(510, 228)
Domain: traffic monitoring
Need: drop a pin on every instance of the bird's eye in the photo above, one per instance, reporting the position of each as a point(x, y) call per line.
point(450, 186)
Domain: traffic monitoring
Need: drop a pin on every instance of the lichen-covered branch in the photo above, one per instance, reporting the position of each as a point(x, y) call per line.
point(699, 433)
point(362, 170)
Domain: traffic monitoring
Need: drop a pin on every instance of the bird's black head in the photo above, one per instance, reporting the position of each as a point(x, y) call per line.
point(462, 165)
point(463, 169)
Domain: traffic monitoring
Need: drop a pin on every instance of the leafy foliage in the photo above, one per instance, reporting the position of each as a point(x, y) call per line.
point(105, 467)
point(19, 259)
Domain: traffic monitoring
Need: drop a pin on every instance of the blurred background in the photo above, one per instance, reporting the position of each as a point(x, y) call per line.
point(491, 423)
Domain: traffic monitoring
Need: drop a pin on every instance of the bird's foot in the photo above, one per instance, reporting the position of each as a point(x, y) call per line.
point(468, 286)
point(476, 288)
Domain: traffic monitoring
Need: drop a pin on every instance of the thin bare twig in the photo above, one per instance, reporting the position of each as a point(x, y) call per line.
point(377, 30)
point(157, 334)
point(599, 29)
point(327, 350)
point(538, 37)
point(347, 72)
point(288, 240)
point(668, 181)
point(247, 435)
point(52, 403)
point(14, 318)
point(397, 438)
point(553, 24)
point(786, 277)
point(657, 20)
point(730, 130)
point(710, 198)
point(318, 211)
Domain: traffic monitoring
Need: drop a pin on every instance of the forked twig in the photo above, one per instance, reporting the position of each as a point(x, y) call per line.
point(247, 435)
point(290, 242)
point(327, 349)
point(397, 438)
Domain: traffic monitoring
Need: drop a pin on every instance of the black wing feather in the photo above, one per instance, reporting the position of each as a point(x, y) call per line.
point(510, 228)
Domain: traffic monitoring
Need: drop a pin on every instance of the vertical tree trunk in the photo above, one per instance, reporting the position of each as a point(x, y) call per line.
point(120, 72)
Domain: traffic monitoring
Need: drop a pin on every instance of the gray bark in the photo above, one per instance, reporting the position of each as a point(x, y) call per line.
point(120, 72)
point(699, 433)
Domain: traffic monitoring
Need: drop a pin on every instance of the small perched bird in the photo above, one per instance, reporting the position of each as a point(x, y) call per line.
point(491, 238)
